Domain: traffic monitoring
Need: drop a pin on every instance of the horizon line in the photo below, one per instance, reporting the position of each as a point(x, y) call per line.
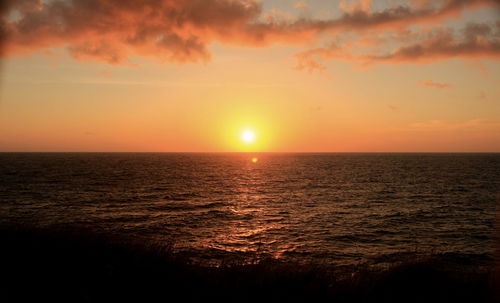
point(250, 152)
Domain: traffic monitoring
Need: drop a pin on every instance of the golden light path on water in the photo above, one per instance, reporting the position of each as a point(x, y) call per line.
point(257, 223)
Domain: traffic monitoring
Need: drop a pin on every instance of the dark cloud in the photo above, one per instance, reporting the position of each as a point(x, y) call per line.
point(182, 30)
point(112, 30)
point(403, 15)
point(477, 41)
point(474, 41)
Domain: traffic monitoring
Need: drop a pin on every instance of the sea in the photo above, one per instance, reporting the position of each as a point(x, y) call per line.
point(325, 208)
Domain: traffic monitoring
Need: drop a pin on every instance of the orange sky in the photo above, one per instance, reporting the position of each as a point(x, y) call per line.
point(304, 76)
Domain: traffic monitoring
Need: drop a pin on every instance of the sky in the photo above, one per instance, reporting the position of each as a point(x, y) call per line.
point(300, 75)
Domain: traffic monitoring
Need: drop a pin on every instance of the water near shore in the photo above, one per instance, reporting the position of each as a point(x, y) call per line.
point(312, 208)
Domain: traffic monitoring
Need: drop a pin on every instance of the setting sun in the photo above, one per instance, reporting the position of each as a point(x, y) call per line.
point(248, 136)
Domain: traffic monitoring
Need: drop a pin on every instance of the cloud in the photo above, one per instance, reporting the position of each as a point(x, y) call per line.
point(478, 41)
point(170, 30)
point(104, 73)
point(393, 107)
point(353, 6)
point(430, 83)
point(113, 30)
point(182, 30)
point(359, 16)
point(474, 41)
point(472, 124)
point(301, 5)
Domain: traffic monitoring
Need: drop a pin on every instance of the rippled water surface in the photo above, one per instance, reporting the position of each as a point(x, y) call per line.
point(335, 208)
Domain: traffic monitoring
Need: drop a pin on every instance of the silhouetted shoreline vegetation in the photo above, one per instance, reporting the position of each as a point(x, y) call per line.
point(79, 266)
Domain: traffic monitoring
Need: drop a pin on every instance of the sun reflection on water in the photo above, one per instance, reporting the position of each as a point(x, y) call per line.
point(252, 221)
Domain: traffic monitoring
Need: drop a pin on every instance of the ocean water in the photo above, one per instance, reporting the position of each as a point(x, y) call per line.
point(320, 208)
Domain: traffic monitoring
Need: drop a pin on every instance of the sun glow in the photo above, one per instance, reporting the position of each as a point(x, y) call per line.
point(248, 136)
point(249, 132)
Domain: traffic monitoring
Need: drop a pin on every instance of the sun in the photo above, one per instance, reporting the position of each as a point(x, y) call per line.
point(248, 136)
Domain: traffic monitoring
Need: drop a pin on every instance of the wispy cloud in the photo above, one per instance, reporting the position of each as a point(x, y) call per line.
point(393, 108)
point(430, 83)
point(301, 4)
point(444, 125)
point(355, 6)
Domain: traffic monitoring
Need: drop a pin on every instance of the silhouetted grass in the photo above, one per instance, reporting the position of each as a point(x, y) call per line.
point(77, 266)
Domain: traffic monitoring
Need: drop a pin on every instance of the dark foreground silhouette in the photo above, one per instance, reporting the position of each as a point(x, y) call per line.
point(76, 266)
